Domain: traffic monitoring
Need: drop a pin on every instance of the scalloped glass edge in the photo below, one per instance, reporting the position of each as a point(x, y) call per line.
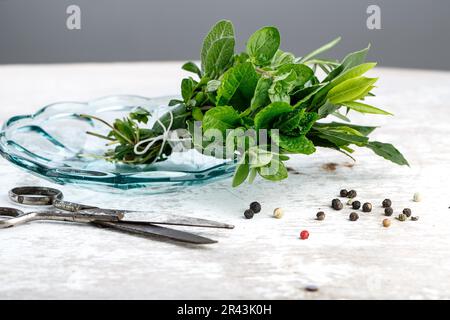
point(138, 179)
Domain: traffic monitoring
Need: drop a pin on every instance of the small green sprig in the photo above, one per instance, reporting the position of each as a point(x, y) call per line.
point(266, 88)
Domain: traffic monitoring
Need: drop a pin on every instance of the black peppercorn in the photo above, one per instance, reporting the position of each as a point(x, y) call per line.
point(407, 212)
point(386, 203)
point(336, 204)
point(388, 211)
point(248, 213)
point(356, 205)
point(367, 207)
point(255, 207)
point(415, 218)
point(320, 215)
point(353, 216)
point(351, 194)
point(344, 193)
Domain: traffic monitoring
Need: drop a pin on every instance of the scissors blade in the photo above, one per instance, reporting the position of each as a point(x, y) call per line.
point(162, 218)
point(152, 230)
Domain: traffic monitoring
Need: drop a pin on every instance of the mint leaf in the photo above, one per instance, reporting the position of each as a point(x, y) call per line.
point(140, 115)
point(241, 173)
point(218, 49)
point(213, 85)
point(221, 118)
point(303, 73)
point(192, 67)
point(387, 151)
point(238, 86)
point(281, 58)
point(299, 144)
point(269, 114)
point(263, 44)
point(281, 87)
point(350, 89)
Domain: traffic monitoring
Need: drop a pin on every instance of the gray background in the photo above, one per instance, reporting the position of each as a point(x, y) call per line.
point(415, 33)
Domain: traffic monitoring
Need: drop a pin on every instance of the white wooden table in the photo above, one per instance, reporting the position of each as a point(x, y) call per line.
point(260, 258)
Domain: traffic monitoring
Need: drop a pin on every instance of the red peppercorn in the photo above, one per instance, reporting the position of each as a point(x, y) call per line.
point(304, 235)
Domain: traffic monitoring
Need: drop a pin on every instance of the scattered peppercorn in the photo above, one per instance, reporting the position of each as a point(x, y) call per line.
point(356, 205)
point(278, 213)
point(407, 212)
point(304, 235)
point(312, 288)
point(386, 223)
point(367, 207)
point(255, 206)
point(417, 197)
point(344, 193)
point(320, 215)
point(415, 218)
point(351, 194)
point(336, 204)
point(401, 217)
point(353, 216)
point(386, 203)
point(248, 213)
point(388, 211)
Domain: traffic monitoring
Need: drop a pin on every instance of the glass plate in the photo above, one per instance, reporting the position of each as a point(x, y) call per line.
point(53, 144)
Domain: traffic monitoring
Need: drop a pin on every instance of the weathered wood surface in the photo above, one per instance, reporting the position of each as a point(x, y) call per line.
point(263, 257)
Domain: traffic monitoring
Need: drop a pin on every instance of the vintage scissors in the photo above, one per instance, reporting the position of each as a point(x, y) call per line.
point(111, 218)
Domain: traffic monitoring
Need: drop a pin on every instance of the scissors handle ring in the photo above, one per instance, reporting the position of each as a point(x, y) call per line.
point(35, 195)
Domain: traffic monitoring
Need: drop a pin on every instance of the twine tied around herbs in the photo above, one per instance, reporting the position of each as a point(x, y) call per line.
point(165, 137)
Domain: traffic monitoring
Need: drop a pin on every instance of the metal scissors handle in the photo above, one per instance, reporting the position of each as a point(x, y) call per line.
point(74, 212)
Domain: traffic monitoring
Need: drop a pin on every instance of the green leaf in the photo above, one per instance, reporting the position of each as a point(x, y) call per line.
point(306, 122)
point(263, 44)
point(266, 116)
point(303, 73)
point(364, 130)
point(221, 118)
point(213, 85)
point(364, 108)
point(238, 86)
point(277, 172)
point(218, 49)
point(320, 50)
point(187, 88)
point(174, 102)
point(387, 151)
point(197, 114)
point(342, 139)
point(353, 72)
point(299, 144)
point(241, 173)
point(351, 60)
point(192, 67)
point(140, 115)
point(261, 95)
point(281, 87)
point(281, 58)
point(289, 121)
point(350, 89)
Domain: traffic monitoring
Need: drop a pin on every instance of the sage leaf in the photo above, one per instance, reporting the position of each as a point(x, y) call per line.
point(218, 49)
point(263, 44)
point(387, 151)
point(299, 144)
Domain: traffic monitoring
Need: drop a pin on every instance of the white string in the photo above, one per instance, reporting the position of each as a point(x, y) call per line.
point(165, 136)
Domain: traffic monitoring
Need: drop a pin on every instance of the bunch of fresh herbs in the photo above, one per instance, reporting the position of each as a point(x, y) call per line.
point(263, 88)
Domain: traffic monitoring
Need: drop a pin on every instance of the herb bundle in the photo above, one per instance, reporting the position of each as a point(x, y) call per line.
point(261, 88)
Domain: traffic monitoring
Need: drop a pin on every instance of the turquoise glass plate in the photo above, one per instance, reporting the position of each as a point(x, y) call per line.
point(53, 144)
